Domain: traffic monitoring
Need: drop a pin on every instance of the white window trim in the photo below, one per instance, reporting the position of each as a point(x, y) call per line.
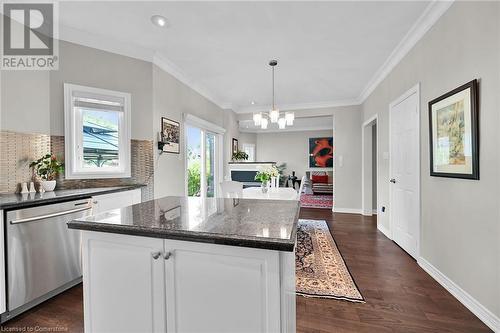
point(70, 135)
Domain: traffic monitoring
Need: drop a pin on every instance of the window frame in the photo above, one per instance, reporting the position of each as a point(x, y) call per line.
point(72, 136)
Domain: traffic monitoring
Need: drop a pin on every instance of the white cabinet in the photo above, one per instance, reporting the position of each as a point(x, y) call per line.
point(123, 283)
point(2, 266)
point(191, 287)
point(105, 202)
point(223, 289)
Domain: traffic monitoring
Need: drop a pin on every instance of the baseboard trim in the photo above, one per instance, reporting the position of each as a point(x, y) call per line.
point(485, 315)
point(347, 210)
point(384, 230)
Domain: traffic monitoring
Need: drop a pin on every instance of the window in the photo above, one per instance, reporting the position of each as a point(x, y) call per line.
point(203, 156)
point(97, 133)
point(249, 149)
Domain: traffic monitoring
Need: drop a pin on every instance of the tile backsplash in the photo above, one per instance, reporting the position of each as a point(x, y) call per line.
point(17, 150)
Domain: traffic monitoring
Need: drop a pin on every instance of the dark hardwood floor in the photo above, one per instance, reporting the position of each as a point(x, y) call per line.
point(400, 296)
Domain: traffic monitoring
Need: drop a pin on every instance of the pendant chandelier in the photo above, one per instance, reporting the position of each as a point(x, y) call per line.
point(282, 119)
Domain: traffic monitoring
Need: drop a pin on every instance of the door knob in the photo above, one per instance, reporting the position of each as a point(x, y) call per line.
point(393, 181)
point(156, 255)
point(167, 255)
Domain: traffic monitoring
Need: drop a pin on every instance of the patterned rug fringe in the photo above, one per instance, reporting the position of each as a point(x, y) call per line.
point(340, 298)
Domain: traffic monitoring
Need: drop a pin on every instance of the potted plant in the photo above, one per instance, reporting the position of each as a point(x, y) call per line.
point(47, 168)
point(264, 178)
point(240, 156)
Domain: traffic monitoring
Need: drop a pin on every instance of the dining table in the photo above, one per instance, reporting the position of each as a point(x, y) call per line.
point(273, 193)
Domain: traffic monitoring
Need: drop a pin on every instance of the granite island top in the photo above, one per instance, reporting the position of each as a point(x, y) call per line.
point(264, 224)
point(18, 200)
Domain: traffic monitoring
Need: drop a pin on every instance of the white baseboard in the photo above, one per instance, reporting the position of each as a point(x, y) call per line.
point(485, 315)
point(384, 230)
point(347, 210)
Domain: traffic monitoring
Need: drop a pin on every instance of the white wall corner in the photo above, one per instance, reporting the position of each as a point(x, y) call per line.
point(485, 315)
point(428, 18)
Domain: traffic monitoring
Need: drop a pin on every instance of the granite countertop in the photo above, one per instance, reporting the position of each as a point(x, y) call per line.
point(18, 200)
point(265, 224)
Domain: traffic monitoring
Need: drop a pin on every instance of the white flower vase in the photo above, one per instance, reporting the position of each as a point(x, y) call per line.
point(48, 185)
point(264, 186)
point(273, 182)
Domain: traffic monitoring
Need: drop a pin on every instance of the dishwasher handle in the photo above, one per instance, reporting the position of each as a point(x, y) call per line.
point(41, 217)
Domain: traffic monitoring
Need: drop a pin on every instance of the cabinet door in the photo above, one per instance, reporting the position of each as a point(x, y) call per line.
point(2, 266)
point(116, 200)
point(124, 285)
point(221, 289)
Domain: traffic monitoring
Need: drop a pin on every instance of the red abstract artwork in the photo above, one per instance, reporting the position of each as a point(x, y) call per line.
point(321, 152)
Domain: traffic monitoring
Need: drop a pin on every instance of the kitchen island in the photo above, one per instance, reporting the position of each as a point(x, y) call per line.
point(179, 264)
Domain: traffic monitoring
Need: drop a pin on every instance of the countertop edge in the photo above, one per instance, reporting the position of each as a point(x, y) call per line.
point(91, 192)
point(199, 237)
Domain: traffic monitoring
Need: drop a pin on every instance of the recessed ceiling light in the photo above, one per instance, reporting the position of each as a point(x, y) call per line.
point(159, 20)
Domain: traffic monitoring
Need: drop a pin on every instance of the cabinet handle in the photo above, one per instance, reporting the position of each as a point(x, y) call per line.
point(167, 255)
point(156, 255)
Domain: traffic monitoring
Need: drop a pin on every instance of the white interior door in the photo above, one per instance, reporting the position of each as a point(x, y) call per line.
point(405, 171)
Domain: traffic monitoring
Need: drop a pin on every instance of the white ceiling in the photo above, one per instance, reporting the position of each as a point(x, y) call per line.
point(328, 52)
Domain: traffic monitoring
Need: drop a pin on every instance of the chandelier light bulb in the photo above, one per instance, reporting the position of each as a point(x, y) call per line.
point(263, 123)
point(289, 117)
point(274, 114)
point(257, 118)
point(281, 123)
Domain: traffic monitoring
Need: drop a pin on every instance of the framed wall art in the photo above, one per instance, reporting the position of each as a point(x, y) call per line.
point(235, 146)
point(454, 133)
point(321, 152)
point(170, 135)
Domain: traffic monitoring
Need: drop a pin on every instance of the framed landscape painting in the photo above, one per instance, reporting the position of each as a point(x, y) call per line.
point(321, 152)
point(170, 135)
point(454, 133)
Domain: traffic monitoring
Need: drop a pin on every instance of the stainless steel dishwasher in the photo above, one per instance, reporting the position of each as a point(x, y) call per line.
point(43, 255)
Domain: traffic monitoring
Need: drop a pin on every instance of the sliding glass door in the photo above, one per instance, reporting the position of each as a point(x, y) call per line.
point(202, 162)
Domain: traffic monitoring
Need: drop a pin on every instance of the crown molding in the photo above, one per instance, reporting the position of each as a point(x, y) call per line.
point(100, 42)
point(298, 106)
point(168, 66)
point(288, 129)
point(428, 18)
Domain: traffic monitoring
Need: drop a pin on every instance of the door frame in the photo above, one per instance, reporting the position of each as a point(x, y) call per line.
point(369, 122)
point(413, 90)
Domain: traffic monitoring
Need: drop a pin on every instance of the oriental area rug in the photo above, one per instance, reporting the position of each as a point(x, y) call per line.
point(319, 267)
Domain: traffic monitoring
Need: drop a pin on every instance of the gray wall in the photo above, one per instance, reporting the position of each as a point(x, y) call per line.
point(460, 225)
point(374, 167)
point(291, 148)
point(232, 131)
